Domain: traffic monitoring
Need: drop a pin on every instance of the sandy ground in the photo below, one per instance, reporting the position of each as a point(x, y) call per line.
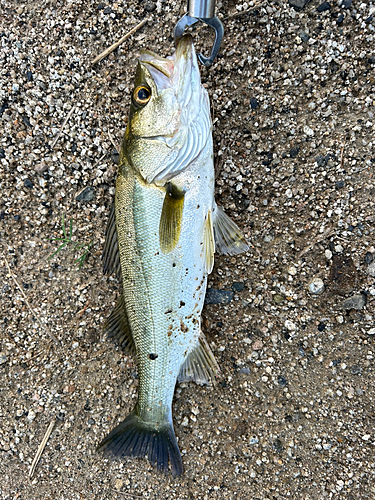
point(292, 415)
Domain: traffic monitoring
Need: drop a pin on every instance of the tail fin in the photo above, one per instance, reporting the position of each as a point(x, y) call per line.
point(134, 437)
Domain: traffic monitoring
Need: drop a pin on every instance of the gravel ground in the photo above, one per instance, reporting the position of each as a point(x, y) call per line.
point(291, 322)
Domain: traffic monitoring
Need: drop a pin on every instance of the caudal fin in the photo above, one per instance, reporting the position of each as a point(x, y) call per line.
point(134, 437)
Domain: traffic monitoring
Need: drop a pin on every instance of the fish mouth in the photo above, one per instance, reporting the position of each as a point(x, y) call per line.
point(175, 70)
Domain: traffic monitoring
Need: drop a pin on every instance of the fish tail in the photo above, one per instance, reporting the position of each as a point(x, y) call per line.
point(137, 438)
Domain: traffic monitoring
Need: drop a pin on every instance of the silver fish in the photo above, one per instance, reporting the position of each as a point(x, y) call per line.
point(161, 239)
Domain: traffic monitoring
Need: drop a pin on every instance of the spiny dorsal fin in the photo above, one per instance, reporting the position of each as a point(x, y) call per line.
point(228, 237)
point(208, 244)
point(118, 328)
point(200, 365)
point(171, 218)
point(111, 255)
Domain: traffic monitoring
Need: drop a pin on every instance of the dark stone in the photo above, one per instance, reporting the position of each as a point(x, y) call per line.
point(340, 19)
point(346, 4)
point(253, 103)
point(304, 36)
point(115, 157)
point(324, 6)
point(238, 287)
point(343, 274)
point(340, 184)
point(369, 19)
point(356, 302)
point(371, 60)
point(107, 10)
point(282, 381)
point(321, 327)
point(88, 194)
point(298, 4)
point(214, 296)
point(336, 362)
point(321, 161)
point(29, 76)
point(294, 152)
point(91, 421)
point(150, 6)
point(301, 351)
point(26, 121)
point(277, 446)
point(369, 257)
point(28, 184)
point(101, 6)
point(2, 153)
point(356, 370)
point(3, 107)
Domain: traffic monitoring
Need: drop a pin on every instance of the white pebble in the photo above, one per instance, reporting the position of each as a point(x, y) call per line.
point(316, 286)
point(371, 331)
point(289, 325)
point(328, 254)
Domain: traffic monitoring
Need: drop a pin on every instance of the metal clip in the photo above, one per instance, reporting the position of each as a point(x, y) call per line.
point(202, 10)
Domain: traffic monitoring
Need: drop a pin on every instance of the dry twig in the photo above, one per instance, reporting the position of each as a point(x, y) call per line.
point(320, 238)
point(27, 302)
point(117, 44)
point(63, 126)
point(41, 448)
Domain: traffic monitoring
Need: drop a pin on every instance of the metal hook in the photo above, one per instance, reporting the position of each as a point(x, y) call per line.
point(214, 22)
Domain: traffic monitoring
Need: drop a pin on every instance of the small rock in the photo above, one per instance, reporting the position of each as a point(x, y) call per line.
point(343, 274)
point(289, 325)
point(298, 4)
point(371, 270)
point(346, 4)
point(366, 437)
point(292, 270)
point(107, 10)
point(356, 302)
point(28, 184)
point(369, 257)
point(316, 286)
point(308, 131)
point(338, 248)
point(278, 298)
point(29, 76)
point(294, 152)
point(214, 296)
point(238, 286)
point(2, 153)
point(86, 195)
point(257, 345)
point(40, 167)
point(339, 184)
point(245, 370)
point(328, 254)
point(340, 19)
point(304, 36)
point(253, 103)
point(282, 381)
point(323, 7)
point(150, 6)
point(371, 331)
point(356, 370)
point(277, 446)
point(3, 358)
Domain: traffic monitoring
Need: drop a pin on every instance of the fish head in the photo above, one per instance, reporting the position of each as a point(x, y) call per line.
point(166, 104)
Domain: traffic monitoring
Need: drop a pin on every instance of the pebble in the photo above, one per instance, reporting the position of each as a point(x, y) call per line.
point(257, 345)
point(343, 274)
point(328, 254)
point(278, 298)
point(346, 4)
point(316, 286)
point(253, 103)
point(238, 286)
point(282, 381)
point(214, 296)
point(289, 325)
point(369, 257)
point(371, 331)
point(293, 153)
point(323, 7)
point(28, 184)
point(3, 358)
point(292, 270)
point(298, 4)
point(304, 36)
point(357, 302)
point(150, 6)
point(308, 131)
point(371, 270)
point(356, 370)
point(86, 195)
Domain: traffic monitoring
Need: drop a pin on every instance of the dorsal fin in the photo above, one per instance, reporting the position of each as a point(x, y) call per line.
point(228, 237)
point(171, 218)
point(208, 244)
point(118, 328)
point(111, 255)
point(200, 365)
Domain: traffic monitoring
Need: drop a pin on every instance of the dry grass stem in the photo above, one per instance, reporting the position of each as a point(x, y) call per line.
point(117, 44)
point(63, 126)
point(320, 238)
point(41, 448)
point(27, 302)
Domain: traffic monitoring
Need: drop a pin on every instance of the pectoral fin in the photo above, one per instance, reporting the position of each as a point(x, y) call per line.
point(208, 244)
point(171, 218)
point(228, 237)
point(200, 365)
point(111, 256)
point(118, 328)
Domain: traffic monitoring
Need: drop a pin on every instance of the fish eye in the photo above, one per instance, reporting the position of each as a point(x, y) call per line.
point(141, 95)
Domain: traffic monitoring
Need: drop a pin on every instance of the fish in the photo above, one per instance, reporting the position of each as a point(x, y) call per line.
point(162, 232)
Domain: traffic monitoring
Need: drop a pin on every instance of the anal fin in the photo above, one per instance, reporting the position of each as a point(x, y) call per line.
point(118, 328)
point(200, 366)
point(171, 218)
point(228, 237)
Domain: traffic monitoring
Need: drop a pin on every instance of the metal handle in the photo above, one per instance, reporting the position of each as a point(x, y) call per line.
point(201, 9)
